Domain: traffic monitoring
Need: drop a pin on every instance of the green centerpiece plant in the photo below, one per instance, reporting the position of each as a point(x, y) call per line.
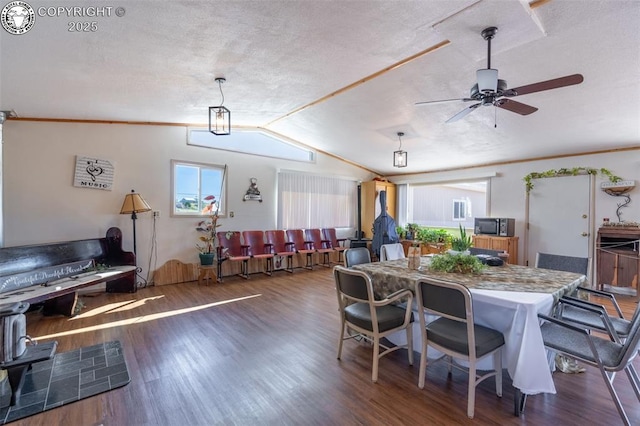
point(456, 263)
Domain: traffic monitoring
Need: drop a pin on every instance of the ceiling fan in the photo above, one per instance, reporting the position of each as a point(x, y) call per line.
point(490, 90)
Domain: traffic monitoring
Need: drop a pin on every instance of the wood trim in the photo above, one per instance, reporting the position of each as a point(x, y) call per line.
point(537, 3)
point(524, 160)
point(363, 80)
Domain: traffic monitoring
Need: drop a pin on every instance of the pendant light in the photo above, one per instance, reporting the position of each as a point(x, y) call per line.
point(220, 116)
point(400, 156)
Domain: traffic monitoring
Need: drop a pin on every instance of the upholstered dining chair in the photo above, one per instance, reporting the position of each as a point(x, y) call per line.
point(302, 246)
point(456, 335)
point(254, 240)
point(369, 318)
point(337, 244)
point(356, 256)
point(606, 355)
point(320, 245)
point(232, 249)
point(391, 252)
point(585, 313)
point(579, 265)
point(280, 247)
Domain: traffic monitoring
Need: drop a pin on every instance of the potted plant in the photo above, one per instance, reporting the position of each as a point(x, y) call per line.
point(411, 230)
point(207, 228)
point(462, 243)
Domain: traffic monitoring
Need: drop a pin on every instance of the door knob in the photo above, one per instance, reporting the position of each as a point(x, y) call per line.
point(584, 234)
point(584, 216)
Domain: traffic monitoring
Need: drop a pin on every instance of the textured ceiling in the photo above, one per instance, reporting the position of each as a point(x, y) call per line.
point(342, 76)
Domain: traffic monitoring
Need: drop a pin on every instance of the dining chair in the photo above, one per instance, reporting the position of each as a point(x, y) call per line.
point(369, 318)
point(280, 247)
point(232, 249)
point(608, 356)
point(579, 265)
point(356, 256)
point(456, 335)
point(301, 245)
point(391, 252)
point(594, 316)
point(320, 245)
point(257, 249)
point(337, 244)
point(572, 307)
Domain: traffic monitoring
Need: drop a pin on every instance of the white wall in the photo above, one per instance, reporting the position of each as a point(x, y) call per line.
point(42, 205)
point(508, 193)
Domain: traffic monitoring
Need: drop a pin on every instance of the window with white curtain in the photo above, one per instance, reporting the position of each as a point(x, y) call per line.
point(313, 201)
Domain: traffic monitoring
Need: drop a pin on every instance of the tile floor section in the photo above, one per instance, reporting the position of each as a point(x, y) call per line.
point(68, 377)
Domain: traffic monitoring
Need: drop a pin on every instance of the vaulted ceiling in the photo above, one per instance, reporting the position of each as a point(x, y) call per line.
point(342, 76)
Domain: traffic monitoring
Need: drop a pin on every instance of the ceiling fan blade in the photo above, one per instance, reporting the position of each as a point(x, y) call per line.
point(444, 101)
point(517, 107)
point(463, 113)
point(555, 83)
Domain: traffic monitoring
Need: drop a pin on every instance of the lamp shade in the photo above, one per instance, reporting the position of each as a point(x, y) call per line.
point(400, 158)
point(134, 203)
point(219, 120)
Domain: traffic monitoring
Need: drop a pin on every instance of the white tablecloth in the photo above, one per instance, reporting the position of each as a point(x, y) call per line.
point(515, 315)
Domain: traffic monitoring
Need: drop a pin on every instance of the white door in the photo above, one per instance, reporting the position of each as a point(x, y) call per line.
point(559, 214)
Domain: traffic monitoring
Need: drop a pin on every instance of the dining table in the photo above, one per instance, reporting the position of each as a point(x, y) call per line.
point(506, 298)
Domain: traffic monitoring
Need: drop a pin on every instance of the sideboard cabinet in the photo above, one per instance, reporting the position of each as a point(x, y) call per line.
point(507, 244)
point(617, 258)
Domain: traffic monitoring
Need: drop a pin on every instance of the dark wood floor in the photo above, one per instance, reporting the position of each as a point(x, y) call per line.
point(263, 351)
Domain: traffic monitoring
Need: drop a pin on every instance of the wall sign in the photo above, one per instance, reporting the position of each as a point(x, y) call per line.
point(93, 173)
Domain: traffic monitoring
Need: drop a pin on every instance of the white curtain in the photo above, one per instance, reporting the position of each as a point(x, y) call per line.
point(311, 201)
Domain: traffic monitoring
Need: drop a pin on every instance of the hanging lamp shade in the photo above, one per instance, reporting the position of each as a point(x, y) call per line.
point(400, 156)
point(220, 116)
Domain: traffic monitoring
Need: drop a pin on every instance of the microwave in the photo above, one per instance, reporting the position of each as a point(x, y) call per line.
point(501, 227)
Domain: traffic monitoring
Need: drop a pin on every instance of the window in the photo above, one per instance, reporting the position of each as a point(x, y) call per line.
point(194, 185)
point(310, 201)
point(259, 143)
point(446, 205)
point(459, 209)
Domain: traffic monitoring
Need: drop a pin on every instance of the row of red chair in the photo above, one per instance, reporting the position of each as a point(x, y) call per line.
point(267, 244)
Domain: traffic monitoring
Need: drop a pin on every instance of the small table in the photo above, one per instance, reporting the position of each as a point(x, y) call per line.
point(207, 272)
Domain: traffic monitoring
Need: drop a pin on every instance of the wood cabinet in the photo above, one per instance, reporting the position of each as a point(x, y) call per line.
point(507, 244)
point(370, 192)
point(618, 258)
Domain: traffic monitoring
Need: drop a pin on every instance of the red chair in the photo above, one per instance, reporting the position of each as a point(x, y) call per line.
point(296, 236)
point(320, 245)
point(231, 248)
point(337, 244)
point(280, 247)
point(258, 249)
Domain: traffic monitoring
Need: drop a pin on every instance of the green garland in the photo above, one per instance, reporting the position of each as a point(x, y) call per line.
point(568, 172)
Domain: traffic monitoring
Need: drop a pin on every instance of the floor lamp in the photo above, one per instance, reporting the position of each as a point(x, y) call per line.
point(134, 203)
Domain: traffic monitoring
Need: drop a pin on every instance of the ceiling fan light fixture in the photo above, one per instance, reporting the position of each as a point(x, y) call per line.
point(220, 116)
point(400, 156)
point(487, 80)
